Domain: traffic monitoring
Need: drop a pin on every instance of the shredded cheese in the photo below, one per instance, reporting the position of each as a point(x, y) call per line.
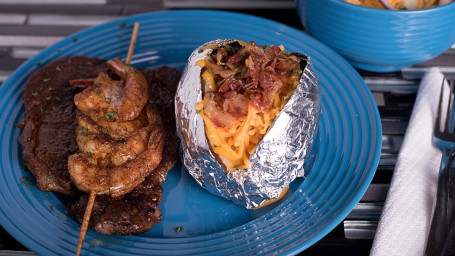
point(236, 143)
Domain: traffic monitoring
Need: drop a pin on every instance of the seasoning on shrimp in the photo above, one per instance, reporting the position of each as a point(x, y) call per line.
point(120, 137)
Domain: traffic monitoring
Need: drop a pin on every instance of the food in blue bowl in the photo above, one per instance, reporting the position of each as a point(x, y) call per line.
point(376, 39)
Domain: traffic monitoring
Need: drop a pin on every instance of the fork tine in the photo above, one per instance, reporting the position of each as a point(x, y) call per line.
point(437, 126)
point(449, 110)
point(452, 88)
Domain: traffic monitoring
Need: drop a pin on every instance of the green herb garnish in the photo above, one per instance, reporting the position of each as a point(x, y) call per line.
point(107, 131)
point(178, 229)
point(297, 72)
point(109, 115)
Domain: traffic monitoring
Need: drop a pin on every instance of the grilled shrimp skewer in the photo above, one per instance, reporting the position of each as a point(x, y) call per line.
point(117, 102)
point(114, 100)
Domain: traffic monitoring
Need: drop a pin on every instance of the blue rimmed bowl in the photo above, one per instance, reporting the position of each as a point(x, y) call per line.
point(379, 40)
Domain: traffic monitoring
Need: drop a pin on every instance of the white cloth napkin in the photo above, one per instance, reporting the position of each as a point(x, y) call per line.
point(405, 221)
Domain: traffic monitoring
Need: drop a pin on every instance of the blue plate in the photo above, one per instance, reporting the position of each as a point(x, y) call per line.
point(343, 160)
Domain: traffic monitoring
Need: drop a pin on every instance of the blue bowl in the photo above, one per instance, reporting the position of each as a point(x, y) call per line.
point(379, 40)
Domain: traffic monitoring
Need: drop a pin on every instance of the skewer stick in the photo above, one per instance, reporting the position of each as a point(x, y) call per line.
point(91, 200)
point(88, 212)
point(132, 43)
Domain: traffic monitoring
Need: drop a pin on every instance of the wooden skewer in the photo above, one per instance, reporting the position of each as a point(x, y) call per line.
point(91, 200)
point(132, 43)
point(88, 212)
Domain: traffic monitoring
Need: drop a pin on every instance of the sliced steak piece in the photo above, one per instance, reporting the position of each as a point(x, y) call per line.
point(49, 125)
point(163, 83)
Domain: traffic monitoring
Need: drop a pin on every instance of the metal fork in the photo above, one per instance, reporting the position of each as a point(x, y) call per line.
point(441, 234)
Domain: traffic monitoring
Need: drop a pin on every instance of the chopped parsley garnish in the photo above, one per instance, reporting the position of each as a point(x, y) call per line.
point(178, 229)
point(109, 115)
point(297, 72)
point(90, 153)
point(84, 131)
point(218, 107)
point(235, 149)
point(46, 79)
point(34, 94)
point(211, 96)
point(251, 96)
point(57, 98)
point(107, 131)
point(156, 134)
point(50, 88)
point(198, 111)
point(122, 25)
point(51, 207)
point(48, 98)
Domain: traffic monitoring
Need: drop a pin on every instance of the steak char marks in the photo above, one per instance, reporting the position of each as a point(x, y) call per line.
point(49, 125)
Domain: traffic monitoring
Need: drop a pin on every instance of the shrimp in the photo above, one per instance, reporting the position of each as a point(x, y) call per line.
point(120, 137)
point(88, 176)
point(114, 100)
point(110, 144)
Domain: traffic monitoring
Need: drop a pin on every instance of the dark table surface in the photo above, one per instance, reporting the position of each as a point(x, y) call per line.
point(27, 27)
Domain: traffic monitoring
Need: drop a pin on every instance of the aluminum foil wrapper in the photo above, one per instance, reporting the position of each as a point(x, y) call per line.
point(279, 158)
